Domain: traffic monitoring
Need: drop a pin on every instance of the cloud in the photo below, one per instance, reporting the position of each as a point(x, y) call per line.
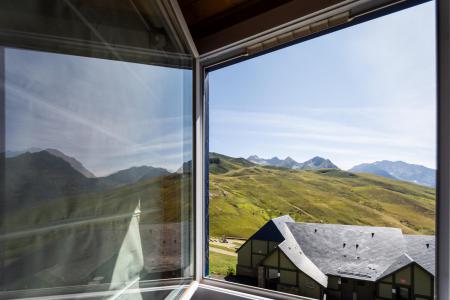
point(95, 111)
point(372, 97)
point(304, 128)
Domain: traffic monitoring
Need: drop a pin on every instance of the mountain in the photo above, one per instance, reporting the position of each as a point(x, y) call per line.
point(243, 196)
point(133, 175)
point(399, 170)
point(258, 160)
point(317, 163)
point(186, 168)
point(312, 164)
point(219, 163)
point(13, 153)
point(72, 161)
point(34, 177)
point(31, 178)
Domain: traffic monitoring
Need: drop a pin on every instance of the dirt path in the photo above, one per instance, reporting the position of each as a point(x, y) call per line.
point(226, 245)
point(212, 249)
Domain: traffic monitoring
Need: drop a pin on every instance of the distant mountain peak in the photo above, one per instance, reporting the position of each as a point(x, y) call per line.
point(72, 161)
point(314, 163)
point(78, 166)
point(253, 157)
point(134, 174)
point(318, 162)
point(399, 170)
point(318, 158)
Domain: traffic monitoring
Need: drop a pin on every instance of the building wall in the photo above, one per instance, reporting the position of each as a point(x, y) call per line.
point(251, 254)
point(244, 255)
point(333, 289)
point(423, 283)
point(308, 287)
point(351, 289)
point(291, 279)
point(417, 280)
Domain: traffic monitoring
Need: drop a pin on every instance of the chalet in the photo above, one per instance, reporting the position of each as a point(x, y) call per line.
point(329, 261)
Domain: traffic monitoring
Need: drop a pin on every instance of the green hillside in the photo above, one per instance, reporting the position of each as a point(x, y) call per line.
point(161, 200)
point(243, 196)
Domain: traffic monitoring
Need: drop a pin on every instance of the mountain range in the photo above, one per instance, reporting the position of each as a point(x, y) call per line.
point(244, 195)
point(314, 163)
point(399, 170)
point(71, 160)
point(32, 177)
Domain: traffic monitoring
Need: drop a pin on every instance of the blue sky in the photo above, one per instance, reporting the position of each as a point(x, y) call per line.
point(362, 94)
point(109, 115)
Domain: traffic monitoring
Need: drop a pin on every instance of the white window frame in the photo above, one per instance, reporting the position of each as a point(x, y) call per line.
point(232, 53)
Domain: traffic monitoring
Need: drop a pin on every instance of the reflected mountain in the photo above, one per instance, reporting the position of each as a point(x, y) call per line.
point(72, 161)
point(31, 178)
point(38, 176)
point(133, 174)
point(62, 228)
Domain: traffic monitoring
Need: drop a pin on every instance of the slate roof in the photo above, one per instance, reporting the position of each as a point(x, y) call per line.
point(360, 252)
point(274, 230)
point(293, 251)
point(422, 250)
point(402, 261)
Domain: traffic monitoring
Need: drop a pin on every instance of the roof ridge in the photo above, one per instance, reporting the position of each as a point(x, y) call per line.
point(348, 225)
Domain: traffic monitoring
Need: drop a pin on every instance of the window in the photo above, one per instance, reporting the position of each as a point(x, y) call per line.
point(313, 148)
point(98, 149)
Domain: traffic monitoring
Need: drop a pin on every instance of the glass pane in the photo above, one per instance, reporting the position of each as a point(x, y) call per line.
point(326, 150)
point(97, 151)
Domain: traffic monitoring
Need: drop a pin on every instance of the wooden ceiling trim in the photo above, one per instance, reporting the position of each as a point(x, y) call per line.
point(238, 24)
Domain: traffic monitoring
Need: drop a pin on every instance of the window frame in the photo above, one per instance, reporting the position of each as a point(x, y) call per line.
point(236, 52)
point(178, 286)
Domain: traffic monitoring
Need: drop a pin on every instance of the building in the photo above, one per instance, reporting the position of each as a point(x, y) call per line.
point(339, 261)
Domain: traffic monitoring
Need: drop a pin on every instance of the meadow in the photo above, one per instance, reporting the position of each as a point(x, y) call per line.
point(244, 196)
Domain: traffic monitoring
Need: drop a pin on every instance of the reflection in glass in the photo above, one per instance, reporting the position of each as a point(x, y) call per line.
point(97, 174)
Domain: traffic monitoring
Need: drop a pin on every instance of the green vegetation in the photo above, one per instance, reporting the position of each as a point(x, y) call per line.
point(162, 200)
point(230, 249)
point(243, 196)
point(221, 264)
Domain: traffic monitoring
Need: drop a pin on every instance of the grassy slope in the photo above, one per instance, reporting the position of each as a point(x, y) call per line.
point(161, 201)
point(244, 196)
point(220, 264)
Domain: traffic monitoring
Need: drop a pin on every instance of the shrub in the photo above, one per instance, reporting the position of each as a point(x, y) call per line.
point(230, 271)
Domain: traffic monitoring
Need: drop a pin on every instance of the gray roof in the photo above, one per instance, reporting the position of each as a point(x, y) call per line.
point(280, 223)
point(422, 250)
point(402, 261)
point(361, 252)
point(295, 254)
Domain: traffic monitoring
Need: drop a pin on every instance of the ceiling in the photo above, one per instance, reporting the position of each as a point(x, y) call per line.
point(216, 23)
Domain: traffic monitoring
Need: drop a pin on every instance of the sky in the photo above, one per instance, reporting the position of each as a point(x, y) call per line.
point(109, 115)
point(358, 95)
